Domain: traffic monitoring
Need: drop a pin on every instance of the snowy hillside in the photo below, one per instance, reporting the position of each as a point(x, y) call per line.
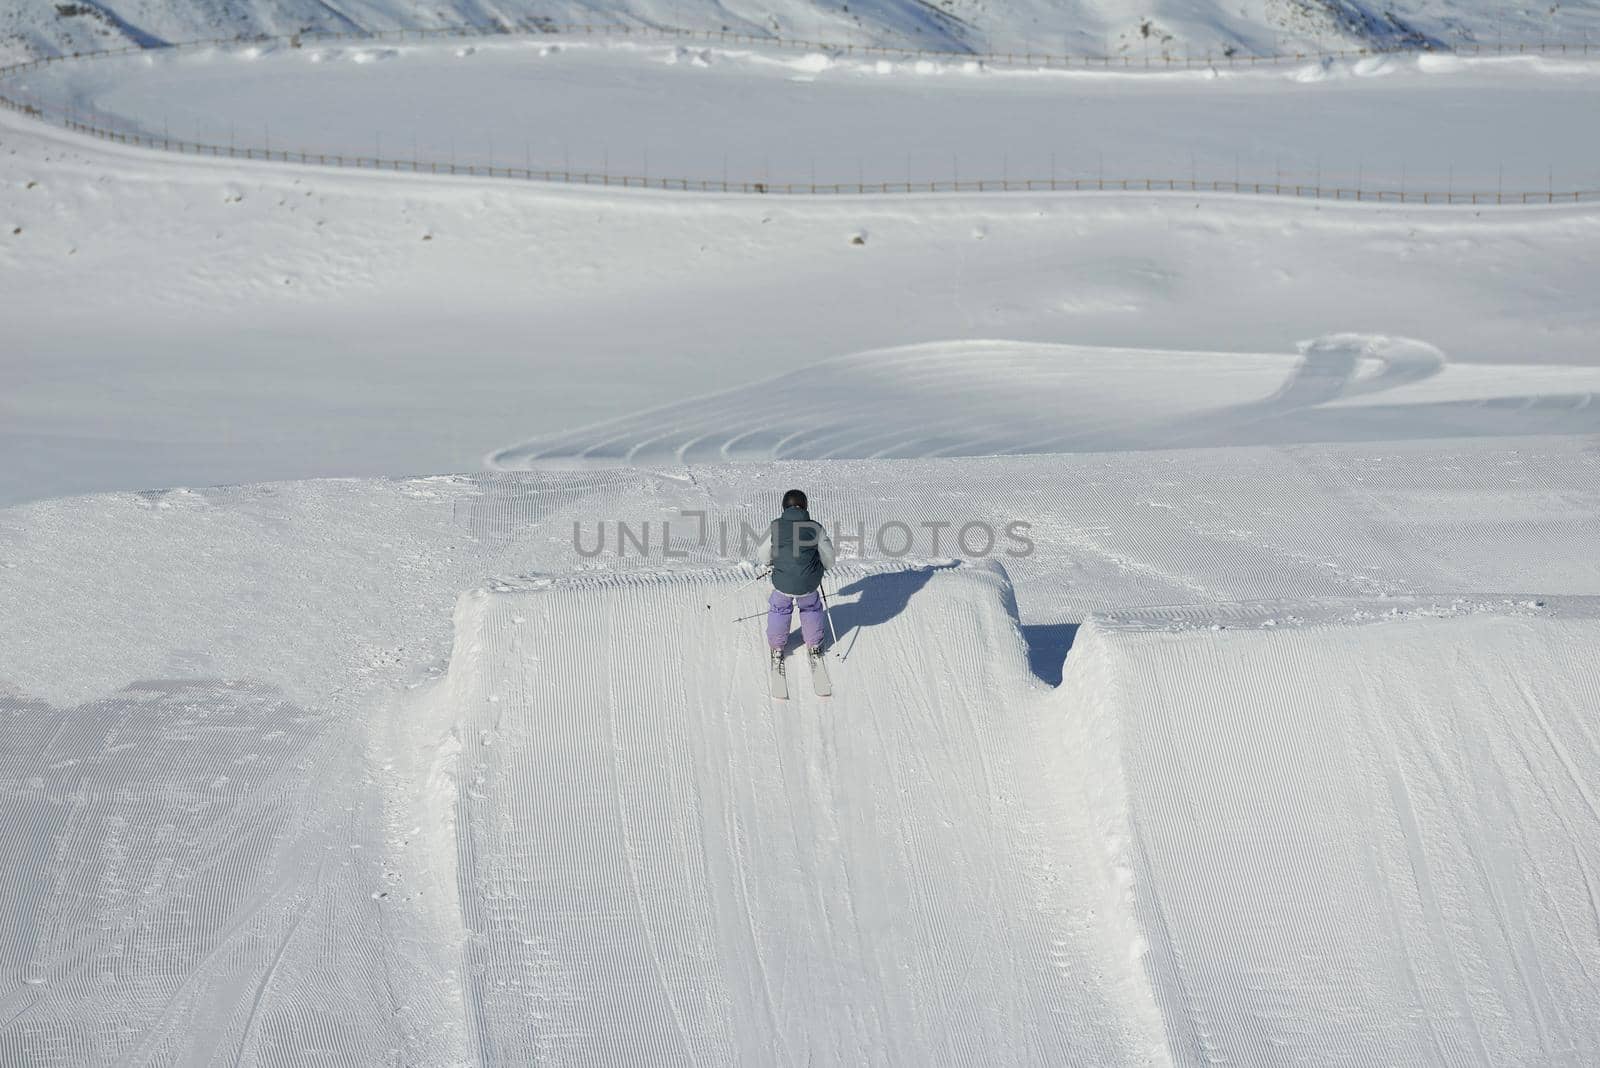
point(334, 292)
point(1076, 27)
point(1212, 639)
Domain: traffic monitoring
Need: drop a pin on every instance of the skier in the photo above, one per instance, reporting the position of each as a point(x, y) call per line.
point(798, 551)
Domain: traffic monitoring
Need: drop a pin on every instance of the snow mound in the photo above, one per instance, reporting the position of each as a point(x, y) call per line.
point(660, 863)
point(975, 398)
point(949, 398)
point(1364, 833)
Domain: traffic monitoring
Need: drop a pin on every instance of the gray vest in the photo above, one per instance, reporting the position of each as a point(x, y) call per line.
point(796, 564)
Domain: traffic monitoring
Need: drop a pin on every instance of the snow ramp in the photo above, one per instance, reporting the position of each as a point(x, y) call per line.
point(658, 864)
point(1362, 834)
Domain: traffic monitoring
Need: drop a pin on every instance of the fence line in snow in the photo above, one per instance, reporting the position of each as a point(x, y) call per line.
point(71, 121)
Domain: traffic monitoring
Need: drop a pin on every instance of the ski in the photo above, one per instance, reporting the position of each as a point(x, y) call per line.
point(820, 682)
point(779, 683)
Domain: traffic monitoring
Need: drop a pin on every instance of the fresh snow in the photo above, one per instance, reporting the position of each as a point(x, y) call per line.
point(1276, 747)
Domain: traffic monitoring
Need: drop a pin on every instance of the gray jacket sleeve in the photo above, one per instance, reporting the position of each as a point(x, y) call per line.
point(825, 550)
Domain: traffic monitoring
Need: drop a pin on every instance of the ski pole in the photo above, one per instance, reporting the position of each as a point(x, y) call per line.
point(828, 614)
point(759, 575)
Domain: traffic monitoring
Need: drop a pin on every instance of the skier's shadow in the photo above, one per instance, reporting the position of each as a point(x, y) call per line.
point(883, 596)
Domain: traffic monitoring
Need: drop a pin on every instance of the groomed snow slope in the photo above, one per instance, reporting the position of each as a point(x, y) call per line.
point(1339, 834)
point(1365, 834)
point(660, 866)
point(245, 888)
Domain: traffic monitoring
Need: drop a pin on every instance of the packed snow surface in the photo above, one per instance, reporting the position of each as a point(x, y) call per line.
point(300, 790)
point(1362, 842)
point(480, 769)
point(658, 874)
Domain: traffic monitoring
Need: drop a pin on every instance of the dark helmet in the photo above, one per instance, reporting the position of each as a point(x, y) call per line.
point(794, 499)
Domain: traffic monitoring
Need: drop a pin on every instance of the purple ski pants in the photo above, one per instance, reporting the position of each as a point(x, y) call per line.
point(780, 606)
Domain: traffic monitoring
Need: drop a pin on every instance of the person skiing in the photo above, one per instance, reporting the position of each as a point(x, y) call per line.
point(798, 551)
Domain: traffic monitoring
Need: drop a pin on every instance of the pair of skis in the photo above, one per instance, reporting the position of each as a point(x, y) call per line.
point(821, 684)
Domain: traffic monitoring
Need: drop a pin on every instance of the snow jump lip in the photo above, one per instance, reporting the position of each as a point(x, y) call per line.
point(1326, 704)
point(654, 858)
